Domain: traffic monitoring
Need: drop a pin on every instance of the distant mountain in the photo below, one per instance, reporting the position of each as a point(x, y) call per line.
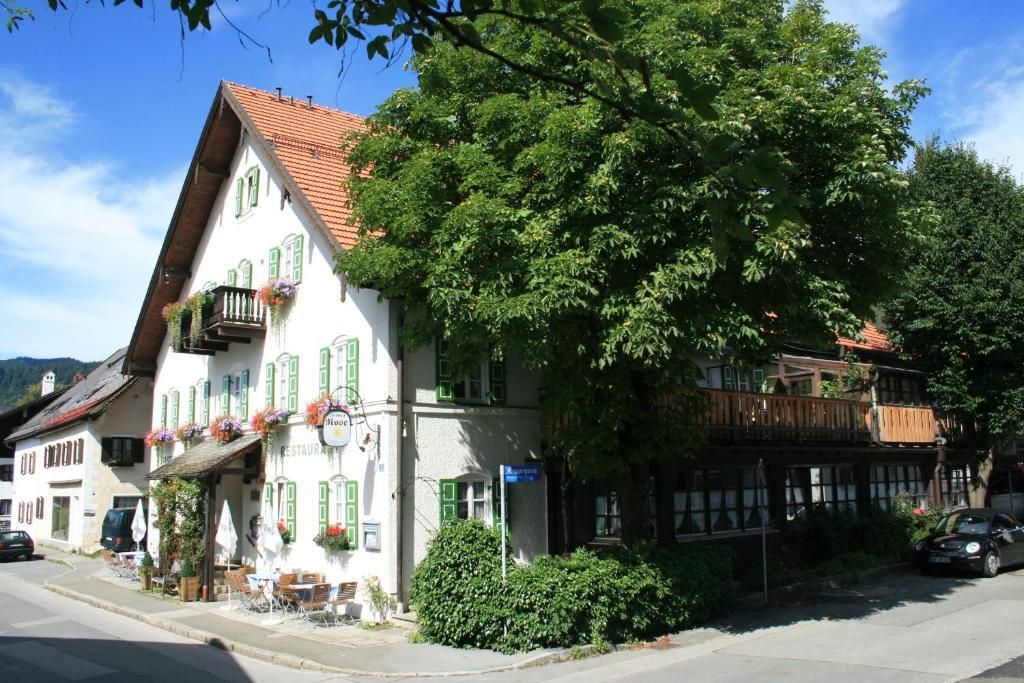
point(18, 374)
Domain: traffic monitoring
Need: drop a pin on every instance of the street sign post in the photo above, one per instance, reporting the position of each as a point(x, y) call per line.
point(513, 474)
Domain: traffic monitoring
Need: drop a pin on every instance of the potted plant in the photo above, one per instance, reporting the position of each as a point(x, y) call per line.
point(146, 571)
point(265, 423)
point(157, 439)
point(172, 314)
point(334, 538)
point(194, 305)
point(276, 293)
point(188, 583)
point(189, 434)
point(286, 535)
point(226, 428)
point(318, 407)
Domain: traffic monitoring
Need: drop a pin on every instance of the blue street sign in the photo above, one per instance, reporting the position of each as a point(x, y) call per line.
point(518, 474)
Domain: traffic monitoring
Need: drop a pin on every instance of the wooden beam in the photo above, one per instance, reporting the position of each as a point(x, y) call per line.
point(212, 169)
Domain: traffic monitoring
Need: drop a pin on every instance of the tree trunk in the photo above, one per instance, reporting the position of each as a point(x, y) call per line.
point(634, 505)
point(568, 505)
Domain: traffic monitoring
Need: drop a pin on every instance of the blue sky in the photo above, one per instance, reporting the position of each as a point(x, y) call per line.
point(102, 107)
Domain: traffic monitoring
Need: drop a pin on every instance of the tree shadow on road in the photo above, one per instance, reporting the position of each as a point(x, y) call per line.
point(858, 601)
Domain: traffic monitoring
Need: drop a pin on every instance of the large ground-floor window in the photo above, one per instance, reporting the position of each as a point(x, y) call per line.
point(126, 501)
point(718, 500)
point(833, 487)
point(61, 517)
point(891, 482)
point(954, 485)
point(608, 515)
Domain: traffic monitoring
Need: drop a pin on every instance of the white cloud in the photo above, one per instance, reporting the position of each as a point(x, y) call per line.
point(78, 240)
point(874, 18)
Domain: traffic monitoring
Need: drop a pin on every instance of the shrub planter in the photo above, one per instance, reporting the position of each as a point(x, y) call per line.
point(188, 588)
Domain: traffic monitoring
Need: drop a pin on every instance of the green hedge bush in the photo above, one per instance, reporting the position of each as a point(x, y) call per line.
point(595, 596)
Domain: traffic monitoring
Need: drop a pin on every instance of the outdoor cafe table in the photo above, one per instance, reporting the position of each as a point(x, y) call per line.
point(134, 555)
point(261, 581)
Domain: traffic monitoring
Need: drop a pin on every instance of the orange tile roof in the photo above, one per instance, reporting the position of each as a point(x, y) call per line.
point(308, 143)
point(872, 339)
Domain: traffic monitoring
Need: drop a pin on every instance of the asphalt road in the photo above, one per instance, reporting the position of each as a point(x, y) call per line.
point(906, 628)
point(47, 637)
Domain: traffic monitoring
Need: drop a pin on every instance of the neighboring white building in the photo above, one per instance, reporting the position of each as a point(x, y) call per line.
point(9, 421)
point(80, 456)
point(263, 199)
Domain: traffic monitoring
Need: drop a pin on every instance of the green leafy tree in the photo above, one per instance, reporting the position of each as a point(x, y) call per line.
point(514, 215)
point(960, 311)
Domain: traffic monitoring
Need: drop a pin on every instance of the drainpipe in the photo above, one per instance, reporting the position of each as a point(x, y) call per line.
point(399, 438)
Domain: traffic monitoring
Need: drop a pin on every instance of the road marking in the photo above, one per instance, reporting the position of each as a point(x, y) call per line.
point(53, 660)
point(40, 622)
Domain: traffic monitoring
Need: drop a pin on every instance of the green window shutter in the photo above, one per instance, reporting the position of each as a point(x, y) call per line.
point(232, 277)
point(247, 275)
point(206, 398)
point(325, 370)
point(298, 256)
point(243, 398)
point(269, 379)
point(448, 492)
point(445, 388)
point(325, 505)
point(191, 405)
point(275, 261)
point(728, 378)
point(496, 505)
point(254, 192)
point(175, 401)
point(497, 372)
point(352, 512)
point(268, 496)
point(225, 395)
point(163, 410)
point(289, 508)
point(239, 189)
point(757, 380)
point(352, 368)
point(293, 384)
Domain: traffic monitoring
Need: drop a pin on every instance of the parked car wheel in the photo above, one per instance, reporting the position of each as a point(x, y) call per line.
point(990, 565)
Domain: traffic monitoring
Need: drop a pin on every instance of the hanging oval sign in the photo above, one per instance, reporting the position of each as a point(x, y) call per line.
point(337, 428)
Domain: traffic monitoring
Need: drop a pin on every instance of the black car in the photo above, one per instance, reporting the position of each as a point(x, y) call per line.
point(16, 544)
point(978, 539)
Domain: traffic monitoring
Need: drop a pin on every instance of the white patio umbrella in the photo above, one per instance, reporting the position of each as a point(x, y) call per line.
point(139, 524)
point(227, 538)
point(270, 543)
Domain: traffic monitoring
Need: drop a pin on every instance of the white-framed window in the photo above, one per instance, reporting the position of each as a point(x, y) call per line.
point(338, 513)
point(288, 257)
point(247, 191)
point(473, 386)
point(236, 391)
point(245, 274)
point(281, 500)
point(471, 499)
point(283, 374)
point(202, 402)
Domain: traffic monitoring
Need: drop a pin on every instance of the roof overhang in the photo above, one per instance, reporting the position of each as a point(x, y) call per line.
point(210, 167)
point(206, 458)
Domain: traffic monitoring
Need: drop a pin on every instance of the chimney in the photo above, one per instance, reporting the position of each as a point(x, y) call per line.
point(49, 381)
point(278, 89)
point(309, 101)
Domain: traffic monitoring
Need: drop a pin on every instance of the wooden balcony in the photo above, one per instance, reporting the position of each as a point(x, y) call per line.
point(236, 315)
point(906, 424)
point(742, 416)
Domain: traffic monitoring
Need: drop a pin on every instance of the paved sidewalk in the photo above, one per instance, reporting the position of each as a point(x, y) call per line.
point(342, 649)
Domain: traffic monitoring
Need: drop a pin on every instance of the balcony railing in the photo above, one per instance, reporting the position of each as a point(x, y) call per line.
point(235, 315)
point(741, 416)
point(906, 424)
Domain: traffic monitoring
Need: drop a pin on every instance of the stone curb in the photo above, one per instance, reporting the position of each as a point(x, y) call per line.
point(282, 659)
point(777, 596)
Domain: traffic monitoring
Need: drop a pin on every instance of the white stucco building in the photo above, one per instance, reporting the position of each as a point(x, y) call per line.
point(81, 455)
point(263, 199)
